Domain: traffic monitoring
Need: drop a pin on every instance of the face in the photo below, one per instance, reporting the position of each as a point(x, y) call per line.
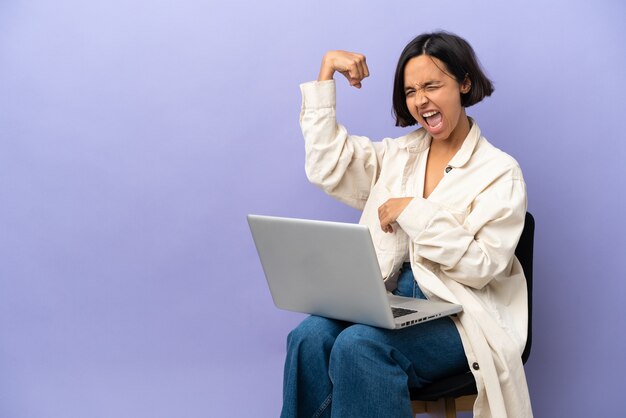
point(433, 98)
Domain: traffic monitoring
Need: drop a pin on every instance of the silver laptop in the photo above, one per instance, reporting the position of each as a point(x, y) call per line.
point(330, 269)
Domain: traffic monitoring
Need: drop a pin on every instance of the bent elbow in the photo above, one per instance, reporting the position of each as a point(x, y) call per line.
point(319, 178)
point(475, 282)
point(475, 275)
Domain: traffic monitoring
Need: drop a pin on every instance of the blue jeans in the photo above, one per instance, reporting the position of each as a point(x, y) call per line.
point(339, 369)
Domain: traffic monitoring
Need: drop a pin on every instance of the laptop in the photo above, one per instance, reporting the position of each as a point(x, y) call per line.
point(330, 269)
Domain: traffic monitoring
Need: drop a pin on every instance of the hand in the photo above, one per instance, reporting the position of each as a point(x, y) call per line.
point(389, 211)
point(350, 64)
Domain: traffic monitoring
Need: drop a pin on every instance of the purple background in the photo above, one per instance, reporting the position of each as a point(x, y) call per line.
point(136, 135)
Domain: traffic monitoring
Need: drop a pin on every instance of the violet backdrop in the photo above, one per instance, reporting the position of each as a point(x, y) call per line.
point(136, 135)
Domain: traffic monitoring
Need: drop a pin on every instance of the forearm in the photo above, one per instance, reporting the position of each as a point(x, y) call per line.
point(470, 248)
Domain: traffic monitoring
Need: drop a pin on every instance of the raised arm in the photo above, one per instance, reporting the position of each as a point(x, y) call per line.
point(344, 166)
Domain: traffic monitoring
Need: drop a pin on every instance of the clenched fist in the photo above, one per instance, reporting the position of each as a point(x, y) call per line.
point(350, 64)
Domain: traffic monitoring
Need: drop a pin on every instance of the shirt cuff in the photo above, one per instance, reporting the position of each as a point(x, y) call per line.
point(318, 94)
point(417, 216)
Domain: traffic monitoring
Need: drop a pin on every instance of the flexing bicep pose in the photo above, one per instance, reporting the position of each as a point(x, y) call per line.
point(446, 210)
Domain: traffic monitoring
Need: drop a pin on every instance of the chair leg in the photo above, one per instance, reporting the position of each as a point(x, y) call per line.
point(465, 403)
point(419, 407)
point(443, 408)
point(450, 407)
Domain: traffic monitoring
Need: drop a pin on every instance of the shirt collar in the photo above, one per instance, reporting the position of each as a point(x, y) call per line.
point(463, 155)
point(416, 141)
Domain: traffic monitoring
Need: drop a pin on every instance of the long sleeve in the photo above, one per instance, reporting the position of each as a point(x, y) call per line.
point(344, 166)
point(470, 248)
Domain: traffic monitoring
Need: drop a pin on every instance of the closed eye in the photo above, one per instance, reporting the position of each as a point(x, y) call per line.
point(432, 87)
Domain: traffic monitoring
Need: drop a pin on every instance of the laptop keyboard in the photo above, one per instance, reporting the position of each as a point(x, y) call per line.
point(398, 312)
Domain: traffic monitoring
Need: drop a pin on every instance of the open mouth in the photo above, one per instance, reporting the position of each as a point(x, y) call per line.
point(433, 118)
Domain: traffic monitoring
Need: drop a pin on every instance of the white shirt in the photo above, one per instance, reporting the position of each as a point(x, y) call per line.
point(461, 239)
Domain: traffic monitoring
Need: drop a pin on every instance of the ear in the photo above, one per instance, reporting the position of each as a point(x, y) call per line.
point(466, 85)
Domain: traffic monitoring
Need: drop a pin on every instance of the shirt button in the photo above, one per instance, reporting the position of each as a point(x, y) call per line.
point(448, 169)
point(475, 366)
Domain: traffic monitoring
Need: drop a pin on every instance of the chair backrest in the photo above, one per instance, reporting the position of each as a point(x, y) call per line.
point(524, 253)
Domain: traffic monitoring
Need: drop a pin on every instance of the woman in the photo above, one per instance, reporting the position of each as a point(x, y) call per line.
point(446, 210)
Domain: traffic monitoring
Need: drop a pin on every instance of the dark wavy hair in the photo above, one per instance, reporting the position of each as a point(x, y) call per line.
point(460, 61)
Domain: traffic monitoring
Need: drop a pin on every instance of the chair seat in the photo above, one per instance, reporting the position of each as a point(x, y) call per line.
point(451, 387)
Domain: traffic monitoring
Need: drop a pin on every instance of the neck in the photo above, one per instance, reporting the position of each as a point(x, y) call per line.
point(456, 138)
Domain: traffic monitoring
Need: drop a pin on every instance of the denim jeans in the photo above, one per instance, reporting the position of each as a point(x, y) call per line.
point(339, 369)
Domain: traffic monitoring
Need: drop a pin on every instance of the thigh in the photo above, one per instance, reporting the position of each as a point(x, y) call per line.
point(434, 348)
point(427, 351)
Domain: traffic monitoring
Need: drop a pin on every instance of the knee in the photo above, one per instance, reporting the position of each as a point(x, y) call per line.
point(313, 334)
point(362, 352)
point(356, 343)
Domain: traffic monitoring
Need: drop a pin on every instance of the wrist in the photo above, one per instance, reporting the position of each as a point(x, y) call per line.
point(326, 70)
